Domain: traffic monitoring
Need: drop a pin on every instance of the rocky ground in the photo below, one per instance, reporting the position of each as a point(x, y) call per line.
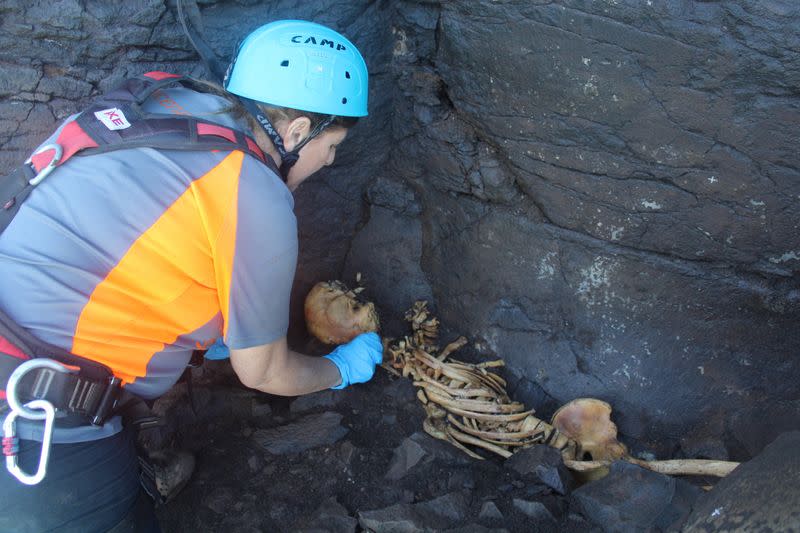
point(357, 460)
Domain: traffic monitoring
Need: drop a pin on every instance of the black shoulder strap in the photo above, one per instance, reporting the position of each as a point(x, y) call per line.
point(116, 121)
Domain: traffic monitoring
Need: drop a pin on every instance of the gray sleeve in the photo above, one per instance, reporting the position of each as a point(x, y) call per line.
point(264, 259)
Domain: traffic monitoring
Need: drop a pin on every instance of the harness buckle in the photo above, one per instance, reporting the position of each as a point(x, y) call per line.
point(108, 401)
point(11, 443)
point(19, 373)
point(59, 152)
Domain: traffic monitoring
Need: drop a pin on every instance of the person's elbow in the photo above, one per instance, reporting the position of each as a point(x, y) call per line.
point(251, 381)
point(254, 366)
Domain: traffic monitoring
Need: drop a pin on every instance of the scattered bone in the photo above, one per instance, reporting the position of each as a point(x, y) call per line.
point(421, 397)
point(672, 467)
point(468, 439)
point(493, 435)
point(489, 420)
point(588, 422)
point(452, 347)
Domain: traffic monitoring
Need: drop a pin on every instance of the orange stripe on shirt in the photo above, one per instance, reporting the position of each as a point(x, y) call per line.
point(173, 280)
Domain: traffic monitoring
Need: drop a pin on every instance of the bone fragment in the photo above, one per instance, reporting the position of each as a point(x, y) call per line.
point(421, 397)
point(446, 369)
point(435, 412)
point(391, 370)
point(452, 391)
point(672, 467)
point(496, 435)
point(491, 364)
point(476, 406)
point(439, 431)
point(469, 439)
point(452, 347)
point(486, 417)
point(588, 422)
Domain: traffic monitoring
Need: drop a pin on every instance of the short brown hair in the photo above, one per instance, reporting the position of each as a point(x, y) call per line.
point(274, 113)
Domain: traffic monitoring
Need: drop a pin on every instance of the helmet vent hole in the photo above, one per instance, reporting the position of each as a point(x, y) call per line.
point(347, 74)
point(344, 100)
point(285, 63)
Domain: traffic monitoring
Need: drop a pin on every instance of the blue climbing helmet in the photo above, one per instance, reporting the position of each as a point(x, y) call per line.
point(300, 65)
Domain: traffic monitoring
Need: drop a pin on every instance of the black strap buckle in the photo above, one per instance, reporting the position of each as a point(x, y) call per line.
point(93, 398)
point(108, 401)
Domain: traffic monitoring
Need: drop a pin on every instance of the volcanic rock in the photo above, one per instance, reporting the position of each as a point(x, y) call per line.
point(633, 498)
point(309, 432)
point(760, 495)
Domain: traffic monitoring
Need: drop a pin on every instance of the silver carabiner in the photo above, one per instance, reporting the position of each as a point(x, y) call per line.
point(19, 373)
point(50, 166)
point(10, 442)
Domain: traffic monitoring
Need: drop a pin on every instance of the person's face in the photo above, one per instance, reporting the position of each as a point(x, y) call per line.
point(317, 153)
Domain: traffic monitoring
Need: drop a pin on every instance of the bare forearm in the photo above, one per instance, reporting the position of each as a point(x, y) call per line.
point(276, 369)
point(297, 374)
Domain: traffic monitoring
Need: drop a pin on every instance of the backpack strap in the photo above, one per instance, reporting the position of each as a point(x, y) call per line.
point(116, 121)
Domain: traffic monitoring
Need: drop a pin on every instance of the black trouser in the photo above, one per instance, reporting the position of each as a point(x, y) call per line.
point(90, 486)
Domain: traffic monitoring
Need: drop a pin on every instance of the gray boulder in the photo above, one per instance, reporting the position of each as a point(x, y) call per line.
point(631, 498)
point(760, 495)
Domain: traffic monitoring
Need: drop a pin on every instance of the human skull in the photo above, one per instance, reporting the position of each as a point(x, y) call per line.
point(334, 314)
point(588, 422)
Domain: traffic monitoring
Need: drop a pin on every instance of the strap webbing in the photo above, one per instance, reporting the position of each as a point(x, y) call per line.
point(88, 135)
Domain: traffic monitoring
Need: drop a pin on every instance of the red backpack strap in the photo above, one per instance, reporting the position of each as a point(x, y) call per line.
point(11, 357)
point(159, 75)
point(115, 121)
point(72, 140)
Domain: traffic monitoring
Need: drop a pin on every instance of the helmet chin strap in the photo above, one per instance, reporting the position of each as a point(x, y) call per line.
point(288, 159)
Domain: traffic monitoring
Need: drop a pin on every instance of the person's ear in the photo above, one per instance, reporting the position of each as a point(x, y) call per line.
point(297, 130)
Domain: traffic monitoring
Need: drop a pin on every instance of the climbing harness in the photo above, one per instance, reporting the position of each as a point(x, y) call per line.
point(42, 385)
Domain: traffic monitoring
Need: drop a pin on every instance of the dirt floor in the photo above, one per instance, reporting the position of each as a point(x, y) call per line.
point(240, 485)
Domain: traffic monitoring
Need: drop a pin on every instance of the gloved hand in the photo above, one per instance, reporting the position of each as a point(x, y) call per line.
point(356, 360)
point(218, 350)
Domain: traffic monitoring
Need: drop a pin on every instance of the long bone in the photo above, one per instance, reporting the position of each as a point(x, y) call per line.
point(468, 439)
point(466, 392)
point(476, 406)
point(535, 434)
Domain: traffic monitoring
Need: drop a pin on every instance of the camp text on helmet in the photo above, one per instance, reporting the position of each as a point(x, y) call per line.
point(313, 40)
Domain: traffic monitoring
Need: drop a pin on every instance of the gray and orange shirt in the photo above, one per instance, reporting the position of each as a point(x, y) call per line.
point(136, 257)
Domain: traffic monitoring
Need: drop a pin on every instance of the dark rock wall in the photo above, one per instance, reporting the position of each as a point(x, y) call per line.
point(609, 201)
point(603, 193)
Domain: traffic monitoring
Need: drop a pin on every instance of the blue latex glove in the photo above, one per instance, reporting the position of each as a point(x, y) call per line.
point(218, 350)
point(356, 360)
